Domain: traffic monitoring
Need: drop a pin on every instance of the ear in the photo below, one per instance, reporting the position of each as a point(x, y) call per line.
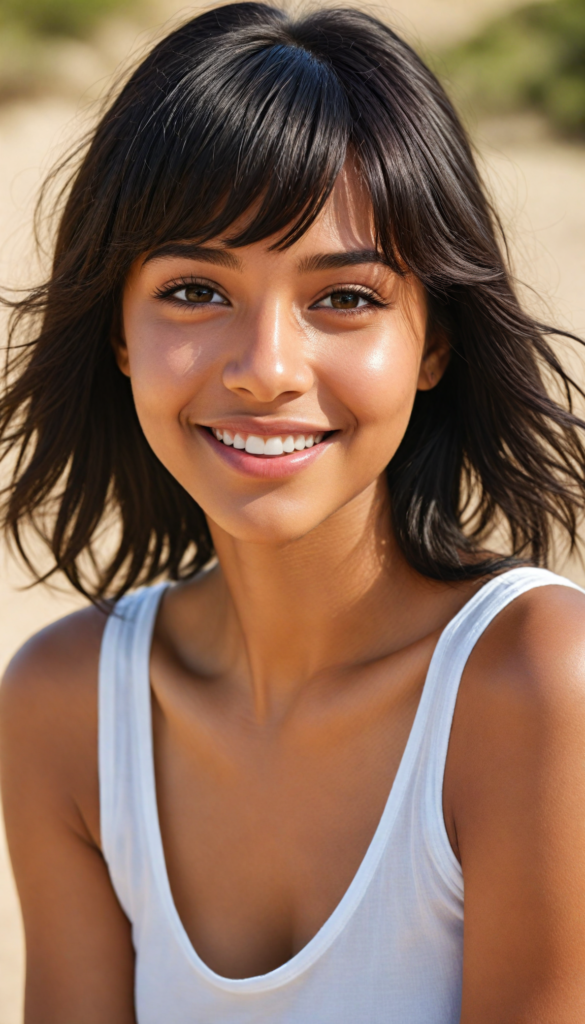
point(435, 360)
point(118, 342)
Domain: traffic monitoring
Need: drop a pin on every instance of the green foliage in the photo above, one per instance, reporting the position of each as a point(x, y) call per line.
point(56, 17)
point(533, 58)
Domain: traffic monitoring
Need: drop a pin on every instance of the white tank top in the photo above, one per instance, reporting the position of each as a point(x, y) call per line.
point(391, 952)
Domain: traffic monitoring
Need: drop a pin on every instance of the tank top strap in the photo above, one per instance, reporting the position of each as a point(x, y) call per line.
point(124, 692)
point(440, 695)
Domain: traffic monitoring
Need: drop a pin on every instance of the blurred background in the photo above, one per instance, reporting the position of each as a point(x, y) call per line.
point(517, 74)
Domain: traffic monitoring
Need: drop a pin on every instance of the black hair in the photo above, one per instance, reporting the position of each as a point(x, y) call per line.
point(245, 108)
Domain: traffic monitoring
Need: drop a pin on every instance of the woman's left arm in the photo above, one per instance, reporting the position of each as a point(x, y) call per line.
point(514, 801)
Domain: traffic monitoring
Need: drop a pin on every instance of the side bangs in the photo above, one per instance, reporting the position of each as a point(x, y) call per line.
point(251, 141)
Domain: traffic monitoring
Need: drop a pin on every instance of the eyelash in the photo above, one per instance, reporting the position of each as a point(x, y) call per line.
point(352, 289)
point(166, 294)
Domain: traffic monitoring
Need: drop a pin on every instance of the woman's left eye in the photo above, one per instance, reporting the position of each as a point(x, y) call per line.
point(344, 299)
point(198, 295)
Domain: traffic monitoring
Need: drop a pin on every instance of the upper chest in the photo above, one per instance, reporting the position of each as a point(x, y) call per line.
point(264, 827)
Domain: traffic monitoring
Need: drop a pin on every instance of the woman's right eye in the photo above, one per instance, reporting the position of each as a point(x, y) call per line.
point(198, 295)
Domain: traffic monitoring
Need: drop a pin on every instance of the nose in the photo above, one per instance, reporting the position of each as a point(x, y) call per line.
point(269, 357)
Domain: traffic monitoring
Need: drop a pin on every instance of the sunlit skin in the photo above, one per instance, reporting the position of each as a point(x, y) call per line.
point(265, 345)
point(271, 353)
point(285, 679)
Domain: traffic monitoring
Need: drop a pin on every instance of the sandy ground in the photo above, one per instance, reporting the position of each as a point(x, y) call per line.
point(538, 184)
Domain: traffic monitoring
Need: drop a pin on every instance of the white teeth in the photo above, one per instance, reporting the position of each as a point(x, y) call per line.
point(254, 445)
point(279, 445)
point(273, 446)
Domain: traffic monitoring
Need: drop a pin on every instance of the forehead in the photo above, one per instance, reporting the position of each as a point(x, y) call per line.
point(347, 220)
point(344, 225)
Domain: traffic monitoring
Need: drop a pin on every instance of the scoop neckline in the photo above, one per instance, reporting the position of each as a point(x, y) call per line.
point(353, 895)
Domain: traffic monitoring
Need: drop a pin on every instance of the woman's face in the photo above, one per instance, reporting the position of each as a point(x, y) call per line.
point(276, 386)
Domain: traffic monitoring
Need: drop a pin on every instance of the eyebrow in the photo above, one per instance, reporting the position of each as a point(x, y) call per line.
point(226, 258)
point(190, 251)
point(334, 260)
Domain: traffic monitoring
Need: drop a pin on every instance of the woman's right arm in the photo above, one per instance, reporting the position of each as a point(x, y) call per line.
point(80, 960)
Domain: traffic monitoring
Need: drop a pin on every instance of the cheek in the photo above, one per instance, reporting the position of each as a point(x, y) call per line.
point(167, 364)
point(376, 379)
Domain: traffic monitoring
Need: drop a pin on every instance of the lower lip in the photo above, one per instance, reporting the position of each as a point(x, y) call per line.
point(267, 467)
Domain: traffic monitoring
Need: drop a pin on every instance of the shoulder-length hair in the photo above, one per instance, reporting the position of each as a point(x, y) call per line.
point(246, 107)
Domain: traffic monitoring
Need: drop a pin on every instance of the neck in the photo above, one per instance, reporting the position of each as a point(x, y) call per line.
point(340, 596)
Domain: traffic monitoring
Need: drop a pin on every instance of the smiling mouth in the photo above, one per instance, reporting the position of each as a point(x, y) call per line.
point(269, 447)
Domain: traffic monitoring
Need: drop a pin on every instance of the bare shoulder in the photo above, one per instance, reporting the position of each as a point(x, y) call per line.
point(533, 652)
point(519, 725)
point(48, 718)
point(57, 664)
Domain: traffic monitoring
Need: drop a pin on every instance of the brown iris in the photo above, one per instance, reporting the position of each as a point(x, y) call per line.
point(198, 293)
point(345, 300)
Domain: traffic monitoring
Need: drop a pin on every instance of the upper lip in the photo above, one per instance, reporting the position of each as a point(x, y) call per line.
point(265, 428)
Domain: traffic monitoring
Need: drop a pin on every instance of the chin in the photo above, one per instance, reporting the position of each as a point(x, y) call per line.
point(255, 523)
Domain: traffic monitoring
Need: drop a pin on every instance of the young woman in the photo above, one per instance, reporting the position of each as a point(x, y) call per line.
point(334, 772)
